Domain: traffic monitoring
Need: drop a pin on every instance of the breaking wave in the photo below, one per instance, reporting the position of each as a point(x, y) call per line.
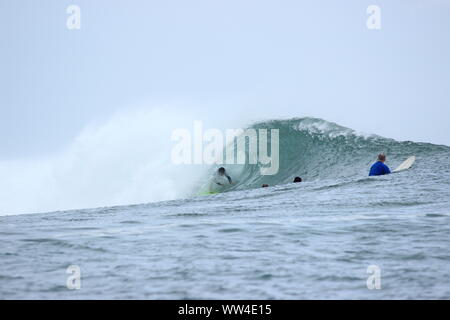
point(126, 160)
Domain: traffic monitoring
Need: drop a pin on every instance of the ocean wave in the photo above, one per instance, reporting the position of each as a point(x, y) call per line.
point(315, 149)
point(126, 160)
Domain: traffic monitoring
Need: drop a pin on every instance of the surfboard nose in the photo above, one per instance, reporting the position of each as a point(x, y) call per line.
point(406, 164)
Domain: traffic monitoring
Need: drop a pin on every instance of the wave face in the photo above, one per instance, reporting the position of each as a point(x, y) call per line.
point(317, 149)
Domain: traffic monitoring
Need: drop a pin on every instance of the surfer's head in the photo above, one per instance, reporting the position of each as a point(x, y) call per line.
point(297, 179)
point(382, 157)
point(221, 170)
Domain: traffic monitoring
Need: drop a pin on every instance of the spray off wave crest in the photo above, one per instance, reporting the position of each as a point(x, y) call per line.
point(125, 160)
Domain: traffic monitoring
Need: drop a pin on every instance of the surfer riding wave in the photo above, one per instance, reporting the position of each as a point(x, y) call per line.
point(220, 181)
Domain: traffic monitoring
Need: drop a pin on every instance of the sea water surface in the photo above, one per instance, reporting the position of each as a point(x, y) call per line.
point(311, 240)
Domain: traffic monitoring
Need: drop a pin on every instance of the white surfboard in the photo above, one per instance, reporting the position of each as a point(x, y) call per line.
point(406, 164)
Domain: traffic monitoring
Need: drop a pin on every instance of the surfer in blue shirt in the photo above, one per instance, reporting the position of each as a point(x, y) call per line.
point(379, 168)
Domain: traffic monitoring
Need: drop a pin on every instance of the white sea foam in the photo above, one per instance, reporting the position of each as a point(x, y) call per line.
point(124, 160)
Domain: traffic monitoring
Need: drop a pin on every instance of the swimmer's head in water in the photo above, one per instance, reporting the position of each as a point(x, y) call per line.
point(221, 170)
point(265, 185)
point(382, 157)
point(297, 179)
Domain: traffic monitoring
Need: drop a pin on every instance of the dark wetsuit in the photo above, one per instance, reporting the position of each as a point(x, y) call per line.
point(378, 169)
point(227, 176)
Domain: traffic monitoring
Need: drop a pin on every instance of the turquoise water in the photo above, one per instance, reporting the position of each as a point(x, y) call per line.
point(313, 240)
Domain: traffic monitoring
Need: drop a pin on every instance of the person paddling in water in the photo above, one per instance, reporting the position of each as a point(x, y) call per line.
point(379, 168)
point(222, 173)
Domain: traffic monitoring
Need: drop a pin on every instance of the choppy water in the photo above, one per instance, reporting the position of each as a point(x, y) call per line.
point(313, 240)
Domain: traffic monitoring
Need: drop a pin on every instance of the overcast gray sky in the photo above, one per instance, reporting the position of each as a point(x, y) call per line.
point(256, 58)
